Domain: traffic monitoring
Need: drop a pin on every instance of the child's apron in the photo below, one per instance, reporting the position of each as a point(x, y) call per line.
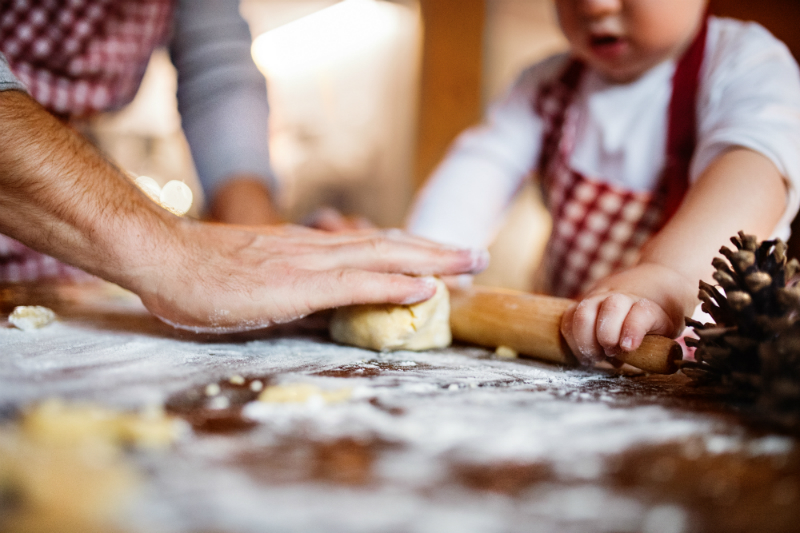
point(598, 227)
point(76, 59)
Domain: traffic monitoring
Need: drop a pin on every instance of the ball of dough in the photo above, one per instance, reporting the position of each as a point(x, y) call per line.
point(387, 327)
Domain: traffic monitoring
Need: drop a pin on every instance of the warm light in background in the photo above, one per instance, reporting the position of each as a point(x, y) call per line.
point(342, 89)
point(340, 33)
point(343, 85)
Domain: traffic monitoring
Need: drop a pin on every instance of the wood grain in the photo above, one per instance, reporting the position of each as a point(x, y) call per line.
point(452, 68)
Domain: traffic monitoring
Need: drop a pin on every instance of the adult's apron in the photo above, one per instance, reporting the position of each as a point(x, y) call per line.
point(76, 58)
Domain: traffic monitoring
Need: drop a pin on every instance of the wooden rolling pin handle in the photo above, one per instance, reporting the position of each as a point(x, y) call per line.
point(656, 354)
point(531, 325)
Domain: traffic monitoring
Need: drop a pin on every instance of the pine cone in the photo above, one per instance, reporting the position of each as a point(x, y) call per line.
point(753, 346)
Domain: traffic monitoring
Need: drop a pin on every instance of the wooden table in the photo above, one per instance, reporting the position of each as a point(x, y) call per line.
point(447, 440)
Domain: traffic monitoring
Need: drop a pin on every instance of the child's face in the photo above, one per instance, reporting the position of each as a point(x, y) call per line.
point(624, 38)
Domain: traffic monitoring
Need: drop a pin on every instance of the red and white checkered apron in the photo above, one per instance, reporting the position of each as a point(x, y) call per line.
point(598, 227)
point(77, 58)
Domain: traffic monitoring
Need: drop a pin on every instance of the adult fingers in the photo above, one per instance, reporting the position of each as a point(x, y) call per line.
point(382, 254)
point(305, 236)
point(349, 287)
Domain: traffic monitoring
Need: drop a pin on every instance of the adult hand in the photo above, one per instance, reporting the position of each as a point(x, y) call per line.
point(219, 278)
point(59, 196)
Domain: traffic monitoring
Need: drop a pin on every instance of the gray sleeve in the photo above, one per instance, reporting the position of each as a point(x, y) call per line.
point(8, 81)
point(222, 97)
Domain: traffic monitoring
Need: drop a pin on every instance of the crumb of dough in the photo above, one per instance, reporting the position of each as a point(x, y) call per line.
point(421, 326)
point(236, 380)
point(66, 465)
point(30, 317)
point(506, 353)
point(256, 385)
point(302, 393)
point(219, 402)
point(57, 422)
point(212, 389)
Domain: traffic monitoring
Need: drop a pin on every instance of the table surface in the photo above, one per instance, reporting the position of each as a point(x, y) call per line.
point(446, 440)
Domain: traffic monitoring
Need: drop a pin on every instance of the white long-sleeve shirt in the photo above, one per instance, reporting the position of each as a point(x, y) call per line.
point(749, 97)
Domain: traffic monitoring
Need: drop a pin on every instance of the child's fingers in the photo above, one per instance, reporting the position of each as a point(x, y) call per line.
point(611, 316)
point(580, 331)
point(644, 317)
point(566, 332)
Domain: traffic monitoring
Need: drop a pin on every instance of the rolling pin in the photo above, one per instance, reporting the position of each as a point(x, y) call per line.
point(530, 324)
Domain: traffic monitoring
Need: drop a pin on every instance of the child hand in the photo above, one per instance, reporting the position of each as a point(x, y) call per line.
point(616, 314)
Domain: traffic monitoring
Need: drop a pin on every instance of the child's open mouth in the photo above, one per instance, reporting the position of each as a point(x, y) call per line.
point(607, 45)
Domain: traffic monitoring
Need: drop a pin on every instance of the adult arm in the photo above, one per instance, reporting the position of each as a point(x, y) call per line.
point(59, 196)
point(222, 100)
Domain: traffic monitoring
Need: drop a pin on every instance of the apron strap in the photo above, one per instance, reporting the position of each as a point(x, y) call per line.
point(682, 132)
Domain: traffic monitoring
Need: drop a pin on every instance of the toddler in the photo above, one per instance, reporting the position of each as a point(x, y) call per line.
point(660, 134)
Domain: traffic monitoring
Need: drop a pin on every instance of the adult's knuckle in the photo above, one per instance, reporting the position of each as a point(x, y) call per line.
point(379, 244)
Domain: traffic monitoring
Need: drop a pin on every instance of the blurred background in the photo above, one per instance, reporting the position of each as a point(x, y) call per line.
point(365, 97)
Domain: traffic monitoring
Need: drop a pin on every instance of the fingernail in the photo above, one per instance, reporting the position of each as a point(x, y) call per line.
point(479, 260)
point(626, 344)
point(427, 287)
point(612, 352)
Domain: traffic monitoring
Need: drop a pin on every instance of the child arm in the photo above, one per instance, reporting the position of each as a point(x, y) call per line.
point(740, 190)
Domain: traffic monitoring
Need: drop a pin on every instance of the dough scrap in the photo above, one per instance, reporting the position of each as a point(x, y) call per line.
point(54, 421)
point(506, 352)
point(66, 466)
point(302, 393)
point(30, 317)
point(387, 327)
